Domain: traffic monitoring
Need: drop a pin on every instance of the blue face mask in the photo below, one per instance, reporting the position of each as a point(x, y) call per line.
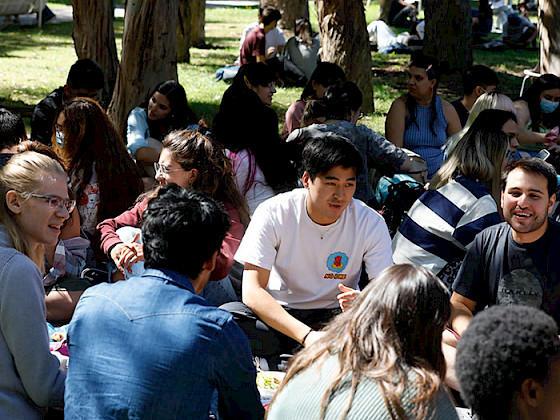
point(548, 106)
point(60, 139)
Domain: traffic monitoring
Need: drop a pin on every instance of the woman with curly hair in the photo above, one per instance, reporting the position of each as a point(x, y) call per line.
point(190, 160)
point(381, 359)
point(104, 178)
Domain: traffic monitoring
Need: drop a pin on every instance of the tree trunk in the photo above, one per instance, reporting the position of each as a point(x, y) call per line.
point(184, 40)
point(290, 9)
point(549, 33)
point(448, 34)
point(384, 8)
point(198, 13)
point(190, 28)
point(94, 38)
point(149, 54)
point(344, 41)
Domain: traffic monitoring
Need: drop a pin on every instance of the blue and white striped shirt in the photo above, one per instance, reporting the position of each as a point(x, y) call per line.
point(442, 222)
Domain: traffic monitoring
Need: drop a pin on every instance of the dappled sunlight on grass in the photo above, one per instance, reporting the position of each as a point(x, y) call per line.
point(33, 62)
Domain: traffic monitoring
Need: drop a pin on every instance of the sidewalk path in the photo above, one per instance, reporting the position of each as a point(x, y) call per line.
point(64, 13)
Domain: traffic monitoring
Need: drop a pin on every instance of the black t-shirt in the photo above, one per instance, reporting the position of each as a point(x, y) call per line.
point(461, 110)
point(498, 270)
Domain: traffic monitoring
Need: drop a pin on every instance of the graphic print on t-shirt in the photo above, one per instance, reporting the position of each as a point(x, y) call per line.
point(336, 262)
point(523, 286)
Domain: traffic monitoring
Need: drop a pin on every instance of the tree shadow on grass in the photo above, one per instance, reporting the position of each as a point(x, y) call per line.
point(16, 37)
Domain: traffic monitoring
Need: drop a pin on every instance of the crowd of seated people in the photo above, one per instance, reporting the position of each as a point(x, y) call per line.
point(248, 246)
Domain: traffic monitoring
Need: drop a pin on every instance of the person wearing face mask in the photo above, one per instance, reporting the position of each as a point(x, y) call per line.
point(538, 115)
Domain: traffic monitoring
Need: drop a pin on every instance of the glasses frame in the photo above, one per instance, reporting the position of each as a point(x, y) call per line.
point(164, 171)
point(52, 199)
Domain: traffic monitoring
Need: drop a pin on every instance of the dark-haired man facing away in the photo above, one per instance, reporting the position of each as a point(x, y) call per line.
point(301, 245)
point(508, 364)
point(149, 347)
point(85, 79)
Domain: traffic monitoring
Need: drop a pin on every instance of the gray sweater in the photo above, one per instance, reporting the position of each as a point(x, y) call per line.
point(30, 379)
point(302, 396)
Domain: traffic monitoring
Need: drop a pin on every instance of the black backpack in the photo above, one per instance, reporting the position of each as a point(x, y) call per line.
point(401, 195)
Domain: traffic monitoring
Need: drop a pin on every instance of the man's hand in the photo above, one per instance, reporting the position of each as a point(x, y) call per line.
point(347, 296)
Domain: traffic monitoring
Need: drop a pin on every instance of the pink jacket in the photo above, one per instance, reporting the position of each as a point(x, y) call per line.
point(109, 238)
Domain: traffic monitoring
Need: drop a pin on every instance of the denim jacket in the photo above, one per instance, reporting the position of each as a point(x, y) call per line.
point(149, 347)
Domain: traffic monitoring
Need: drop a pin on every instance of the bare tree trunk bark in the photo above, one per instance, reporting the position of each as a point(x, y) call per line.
point(198, 12)
point(344, 41)
point(190, 28)
point(384, 8)
point(448, 34)
point(184, 40)
point(291, 10)
point(149, 54)
point(94, 38)
point(549, 33)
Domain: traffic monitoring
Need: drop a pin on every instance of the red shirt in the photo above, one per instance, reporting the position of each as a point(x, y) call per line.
point(253, 46)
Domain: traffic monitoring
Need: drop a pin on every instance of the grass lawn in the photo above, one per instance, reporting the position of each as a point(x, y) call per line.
point(34, 62)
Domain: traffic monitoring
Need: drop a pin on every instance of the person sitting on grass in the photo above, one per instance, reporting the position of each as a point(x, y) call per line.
point(305, 245)
point(380, 360)
point(508, 364)
point(150, 347)
point(85, 79)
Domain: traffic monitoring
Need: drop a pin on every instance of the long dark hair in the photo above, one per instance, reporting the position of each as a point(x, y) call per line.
point(90, 139)
point(326, 74)
point(191, 150)
point(244, 122)
point(432, 70)
point(181, 115)
point(533, 98)
point(394, 326)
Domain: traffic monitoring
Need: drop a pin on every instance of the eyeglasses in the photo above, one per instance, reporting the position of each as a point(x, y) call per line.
point(56, 203)
point(164, 170)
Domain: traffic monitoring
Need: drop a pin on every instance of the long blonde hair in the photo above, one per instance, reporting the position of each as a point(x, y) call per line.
point(394, 326)
point(25, 173)
point(480, 154)
point(490, 100)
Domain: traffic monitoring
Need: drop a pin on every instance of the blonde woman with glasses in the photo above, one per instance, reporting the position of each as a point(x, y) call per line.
point(35, 204)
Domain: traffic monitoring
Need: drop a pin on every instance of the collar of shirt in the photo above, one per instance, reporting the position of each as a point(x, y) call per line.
point(171, 276)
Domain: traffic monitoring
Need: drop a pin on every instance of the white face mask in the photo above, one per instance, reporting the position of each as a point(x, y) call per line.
point(60, 139)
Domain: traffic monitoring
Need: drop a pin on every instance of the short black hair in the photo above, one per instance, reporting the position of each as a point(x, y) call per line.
point(323, 153)
point(342, 99)
point(269, 15)
point(503, 346)
point(535, 166)
point(85, 74)
point(478, 75)
point(181, 230)
point(12, 129)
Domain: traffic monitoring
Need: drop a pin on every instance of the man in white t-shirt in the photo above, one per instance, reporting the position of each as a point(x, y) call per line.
point(305, 246)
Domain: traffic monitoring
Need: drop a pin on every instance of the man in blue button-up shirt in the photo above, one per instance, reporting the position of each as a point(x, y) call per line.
point(149, 347)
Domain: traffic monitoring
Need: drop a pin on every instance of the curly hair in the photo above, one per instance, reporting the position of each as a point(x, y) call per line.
point(503, 346)
point(91, 141)
point(171, 222)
